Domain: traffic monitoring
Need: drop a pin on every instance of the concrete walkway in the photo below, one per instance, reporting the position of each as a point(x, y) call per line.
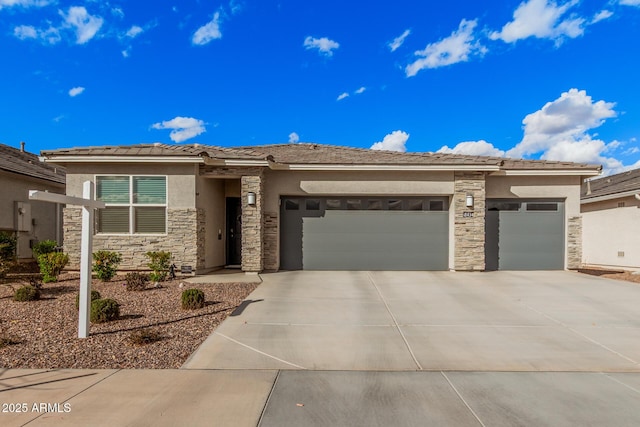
point(378, 349)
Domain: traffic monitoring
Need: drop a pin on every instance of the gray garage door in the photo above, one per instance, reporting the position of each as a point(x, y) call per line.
point(525, 235)
point(364, 233)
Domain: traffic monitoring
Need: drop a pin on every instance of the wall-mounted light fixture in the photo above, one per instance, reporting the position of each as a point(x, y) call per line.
point(469, 200)
point(251, 198)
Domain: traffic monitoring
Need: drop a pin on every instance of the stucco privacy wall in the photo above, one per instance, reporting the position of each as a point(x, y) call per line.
point(46, 216)
point(548, 187)
point(183, 218)
point(610, 233)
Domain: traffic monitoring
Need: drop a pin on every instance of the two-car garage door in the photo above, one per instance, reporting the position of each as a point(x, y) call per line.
point(364, 233)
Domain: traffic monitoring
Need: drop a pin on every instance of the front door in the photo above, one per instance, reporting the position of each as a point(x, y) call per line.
point(234, 231)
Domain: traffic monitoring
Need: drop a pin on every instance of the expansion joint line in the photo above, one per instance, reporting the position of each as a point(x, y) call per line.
point(395, 321)
point(260, 352)
point(462, 398)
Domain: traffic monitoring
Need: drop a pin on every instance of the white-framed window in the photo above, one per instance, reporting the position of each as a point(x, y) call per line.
point(135, 204)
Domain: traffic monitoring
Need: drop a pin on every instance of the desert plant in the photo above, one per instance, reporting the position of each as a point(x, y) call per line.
point(105, 264)
point(44, 247)
point(104, 310)
point(94, 296)
point(51, 264)
point(192, 299)
point(7, 252)
point(144, 336)
point(136, 281)
point(26, 293)
point(159, 263)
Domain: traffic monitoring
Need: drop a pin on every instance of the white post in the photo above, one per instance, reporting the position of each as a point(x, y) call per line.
point(85, 262)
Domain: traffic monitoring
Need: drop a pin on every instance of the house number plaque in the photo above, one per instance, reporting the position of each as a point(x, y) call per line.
point(467, 214)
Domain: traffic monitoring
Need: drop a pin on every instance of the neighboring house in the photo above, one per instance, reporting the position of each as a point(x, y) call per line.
point(610, 209)
point(29, 221)
point(312, 206)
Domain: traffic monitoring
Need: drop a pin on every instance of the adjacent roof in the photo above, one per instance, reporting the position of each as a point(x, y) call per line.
point(23, 163)
point(619, 185)
point(309, 154)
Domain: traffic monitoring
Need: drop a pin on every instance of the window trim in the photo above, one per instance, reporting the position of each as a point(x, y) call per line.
point(132, 206)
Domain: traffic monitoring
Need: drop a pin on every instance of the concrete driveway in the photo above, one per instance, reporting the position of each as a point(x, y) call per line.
point(379, 349)
point(433, 321)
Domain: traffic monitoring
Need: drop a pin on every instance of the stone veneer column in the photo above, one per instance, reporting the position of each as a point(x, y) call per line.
point(270, 256)
point(252, 226)
point(574, 242)
point(469, 230)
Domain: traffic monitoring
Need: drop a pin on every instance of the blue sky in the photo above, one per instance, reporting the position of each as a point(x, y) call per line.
point(533, 79)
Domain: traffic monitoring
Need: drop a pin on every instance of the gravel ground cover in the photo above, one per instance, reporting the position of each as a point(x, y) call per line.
point(43, 334)
point(628, 276)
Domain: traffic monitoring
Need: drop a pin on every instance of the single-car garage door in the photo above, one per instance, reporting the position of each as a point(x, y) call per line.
point(364, 233)
point(524, 235)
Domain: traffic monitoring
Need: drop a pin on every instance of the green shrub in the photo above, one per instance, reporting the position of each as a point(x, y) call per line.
point(136, 281)
point(44, 247)
point(105, 264)
point(94, 296)
point(192, 299)
point(8, 244)
point(7, 252)
point(104, 310)
point(26, 293)
point(159, 263)
point(144, 336)
point(51, 264)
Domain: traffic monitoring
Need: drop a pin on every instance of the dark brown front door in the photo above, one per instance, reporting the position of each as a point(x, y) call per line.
point(234, 231)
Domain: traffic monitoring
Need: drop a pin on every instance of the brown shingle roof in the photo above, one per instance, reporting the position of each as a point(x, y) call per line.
point(24, 163)
point(609, 185)
point(318, 154)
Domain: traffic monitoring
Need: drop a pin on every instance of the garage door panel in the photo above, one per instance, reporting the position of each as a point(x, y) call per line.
point(376, 240)
point(531, 240)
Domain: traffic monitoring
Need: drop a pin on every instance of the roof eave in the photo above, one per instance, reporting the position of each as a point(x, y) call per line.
point(611, 196)
point(381, 167)
point(548, 172)
point(122, 159)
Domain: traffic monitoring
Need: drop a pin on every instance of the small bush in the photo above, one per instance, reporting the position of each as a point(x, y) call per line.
point(44, 247)
point(144, 336)
point(26, 293)
point(94, 296)
point(7, 252)
point(104, 310)
point(192, 299)
point(7, 340)
point(159, 263)
point(51, 264)
point(105, 264)
point(136, 281)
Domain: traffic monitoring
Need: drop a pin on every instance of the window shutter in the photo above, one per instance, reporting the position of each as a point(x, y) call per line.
point(112, 189)
point(150, 220)
point(149, 190)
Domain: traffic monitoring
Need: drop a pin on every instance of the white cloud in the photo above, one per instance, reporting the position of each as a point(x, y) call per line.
point(23, 3)
point(560, 131)
point(126, 53)
point(183, 128)
point(602, 15)
point(342, 96)
point(398, 41)
point(630, 2)
point(85, 25)
point(324, 45)
point(49, 36)
point(208, 32)
point(118, 12)
point(76, 91)
point(361, 90)
point(544, 19)
point(395, 141)
point(134, 31)
point(458, 47)
point(294, 138)
point(474, 148)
